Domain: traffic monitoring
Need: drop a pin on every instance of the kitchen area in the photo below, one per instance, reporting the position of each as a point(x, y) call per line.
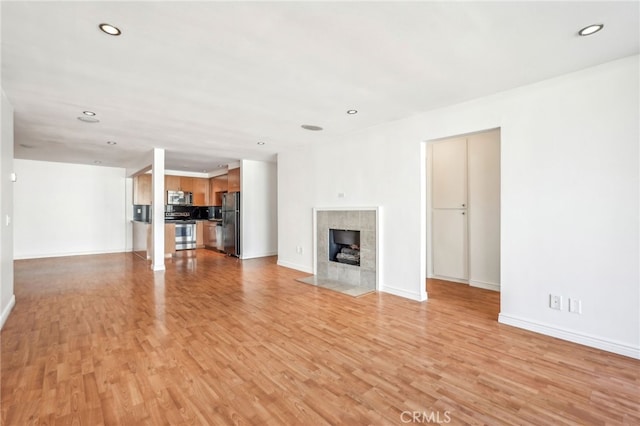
point(200, 213)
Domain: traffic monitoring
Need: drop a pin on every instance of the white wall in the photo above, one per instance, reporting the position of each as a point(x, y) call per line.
point(66, 209)
point(569, 199)
point(258, 209)
point(295, 218)
point(7, 298)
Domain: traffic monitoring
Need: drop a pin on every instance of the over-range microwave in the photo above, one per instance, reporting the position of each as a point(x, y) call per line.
point(179, 198)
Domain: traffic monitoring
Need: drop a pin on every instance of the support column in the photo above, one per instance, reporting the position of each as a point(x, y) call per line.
point(157, 209)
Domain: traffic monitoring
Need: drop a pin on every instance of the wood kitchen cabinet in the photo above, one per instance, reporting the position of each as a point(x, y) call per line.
point(171, 183)
point(142, 240)
point(234, 180)
point(218, 187)
point(186, 184)
point(200, 234)
point(142, 189)
point(198, 186)
point(178, 183)
point(200, 191)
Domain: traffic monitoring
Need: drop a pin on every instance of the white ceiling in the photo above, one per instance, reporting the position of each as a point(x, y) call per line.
point(208, 80)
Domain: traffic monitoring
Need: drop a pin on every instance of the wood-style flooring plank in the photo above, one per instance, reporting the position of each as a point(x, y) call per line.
point(102, 340)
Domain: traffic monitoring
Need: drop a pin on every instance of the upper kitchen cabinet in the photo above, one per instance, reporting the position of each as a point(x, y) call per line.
point(200, 189)
point(171, 183)
point(234, 180)
point(178, 183)
point(219, 185)
point(142, 189)
point(186, 184)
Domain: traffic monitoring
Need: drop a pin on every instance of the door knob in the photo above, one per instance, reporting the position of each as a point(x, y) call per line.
point(463, 205)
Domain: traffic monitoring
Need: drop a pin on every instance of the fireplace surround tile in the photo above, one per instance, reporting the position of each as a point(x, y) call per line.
point(368, 220)
point(368, 279)
point(367, 259)
point(356, 220)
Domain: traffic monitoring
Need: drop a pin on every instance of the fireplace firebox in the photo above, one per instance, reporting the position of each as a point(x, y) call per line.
point(344, 246)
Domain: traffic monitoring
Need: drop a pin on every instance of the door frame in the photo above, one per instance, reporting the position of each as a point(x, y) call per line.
point(426, 170)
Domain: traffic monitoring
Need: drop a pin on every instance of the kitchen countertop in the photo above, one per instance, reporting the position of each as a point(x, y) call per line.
point(181, 221)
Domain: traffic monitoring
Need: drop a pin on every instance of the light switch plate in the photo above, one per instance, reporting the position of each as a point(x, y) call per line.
point(575, 306)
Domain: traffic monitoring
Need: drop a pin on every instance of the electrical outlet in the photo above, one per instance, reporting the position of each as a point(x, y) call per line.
point(575, 306)
point(340, 194)
point(299, 249)
point(555, 302)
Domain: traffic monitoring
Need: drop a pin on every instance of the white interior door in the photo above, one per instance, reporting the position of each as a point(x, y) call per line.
point(449, 233)
point(449, 209)
point(450, 174)
point(484, 209)
point(465, 209)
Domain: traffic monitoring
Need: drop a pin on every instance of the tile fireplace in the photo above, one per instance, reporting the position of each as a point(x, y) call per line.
point(346, 242)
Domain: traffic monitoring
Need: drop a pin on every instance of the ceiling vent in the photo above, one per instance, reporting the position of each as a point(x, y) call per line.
point(311, 127)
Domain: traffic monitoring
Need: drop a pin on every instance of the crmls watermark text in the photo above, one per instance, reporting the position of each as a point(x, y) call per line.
point(433, 417)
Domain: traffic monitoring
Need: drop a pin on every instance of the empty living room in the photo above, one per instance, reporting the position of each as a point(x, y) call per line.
point(320, 213)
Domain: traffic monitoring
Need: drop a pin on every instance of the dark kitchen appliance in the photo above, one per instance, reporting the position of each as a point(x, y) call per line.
point(231, 223)
point(141, 213)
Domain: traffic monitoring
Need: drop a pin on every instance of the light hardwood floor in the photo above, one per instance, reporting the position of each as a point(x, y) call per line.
point(103, 340)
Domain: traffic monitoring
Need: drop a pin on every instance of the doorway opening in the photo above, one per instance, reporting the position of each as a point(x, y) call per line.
point(463, 209)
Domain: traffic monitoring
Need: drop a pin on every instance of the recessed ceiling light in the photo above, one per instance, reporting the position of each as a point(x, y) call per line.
point(311, 127)
point(261, 143)
point(97, 162)
point(90, 113)
point(352, 111)
point(591, 29)
point(109, 29)
point(111, 143)
point(89, 119)
point(221, 166)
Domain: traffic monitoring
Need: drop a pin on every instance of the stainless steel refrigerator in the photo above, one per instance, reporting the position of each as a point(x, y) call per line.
point(231, 223)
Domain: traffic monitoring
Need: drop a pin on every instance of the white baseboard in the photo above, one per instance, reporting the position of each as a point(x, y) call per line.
point(83, 253)
point(402, 293)
point(485, 285)
point(295, 266)
point(571, 336)
point(453, 280)
point(7, 310)
point(254, 255)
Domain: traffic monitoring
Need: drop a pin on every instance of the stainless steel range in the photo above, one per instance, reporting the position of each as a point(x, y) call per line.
point(185, 229)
